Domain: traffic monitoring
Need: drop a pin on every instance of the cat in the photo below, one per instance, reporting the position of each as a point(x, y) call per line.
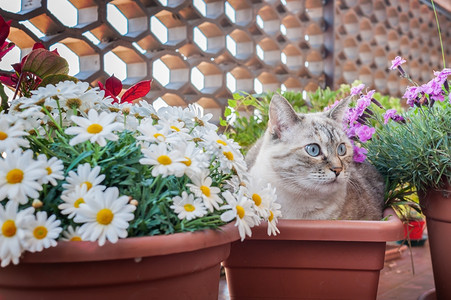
point(309, 159)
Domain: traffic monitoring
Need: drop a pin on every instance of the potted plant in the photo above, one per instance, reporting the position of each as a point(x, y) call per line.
point(308, 259)
point(416, 154)
point(103, 194)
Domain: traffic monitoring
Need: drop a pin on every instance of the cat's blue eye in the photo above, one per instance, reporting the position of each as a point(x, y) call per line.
point(341, 150)
point(313, 149)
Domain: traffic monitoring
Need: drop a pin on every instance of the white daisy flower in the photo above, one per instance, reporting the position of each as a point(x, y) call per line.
point(54, 167)
point(175, 113)
point(72, 234)
point(194, 158)
point(13, 227)
point(84, 176)
point(201, 187)
point(73, 199)
point(96, 128)
point(42, 232)
point(105, 217)
point(164, 162)
point(11, 136)
point(273, 218)
point(144, 109)
point(262, 194)
point(20, 175)
point(187, 207)
point(231, 160)
point(202, 121)
point(152, 133)
point(241, 211)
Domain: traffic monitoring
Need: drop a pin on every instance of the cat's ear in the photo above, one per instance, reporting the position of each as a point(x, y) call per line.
point(281, 115)
point(338, 112)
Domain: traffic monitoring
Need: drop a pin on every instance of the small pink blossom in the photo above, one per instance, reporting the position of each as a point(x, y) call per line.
point(365, 133)
point(359, 154)
point(397, 62)
point(357, 89)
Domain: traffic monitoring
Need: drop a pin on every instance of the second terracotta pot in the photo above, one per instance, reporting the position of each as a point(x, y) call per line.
point(312, 260)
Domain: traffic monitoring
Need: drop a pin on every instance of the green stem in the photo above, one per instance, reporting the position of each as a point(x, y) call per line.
point(4, 98)
point(439, 33)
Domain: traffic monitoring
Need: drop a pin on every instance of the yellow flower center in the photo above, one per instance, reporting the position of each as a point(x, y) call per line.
point(105, 216)
point(14, 176)
point(49, 170)
point(157, 135)
point(221, 142)
point(205, 190)
point(3, 135)
point(271, 216)
point(75, 239)
point(94, 128)
point(228, 154)
point(40, 232)
point(257, 199)
point(78, 202)
point(88, 184)
point(164, 160)
point(187, 162)
point(9, 228)
point(240, 211)
point(189, 207)
point(175, 128)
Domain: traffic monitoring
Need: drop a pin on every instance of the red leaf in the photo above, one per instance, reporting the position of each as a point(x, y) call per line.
point(4, 29)
point(107, 92)
point(136, 91)
point(38, 46)
point(113, 85)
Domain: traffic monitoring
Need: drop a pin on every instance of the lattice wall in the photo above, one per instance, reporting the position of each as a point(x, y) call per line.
point(201, 51)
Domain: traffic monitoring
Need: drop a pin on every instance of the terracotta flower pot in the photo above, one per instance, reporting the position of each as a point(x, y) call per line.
point(436, 206)
point(177, 266)
point(312, 260)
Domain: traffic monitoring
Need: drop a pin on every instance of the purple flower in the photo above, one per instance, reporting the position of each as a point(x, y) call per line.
point(397, 62)
point(389, 114)
point(411, 95)
point(359, 154)
point(365, 133)
point(357, 89)
point(351, 130)
point(442, 75)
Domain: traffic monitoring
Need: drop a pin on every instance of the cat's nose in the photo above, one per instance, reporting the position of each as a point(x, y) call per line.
point(336, 170)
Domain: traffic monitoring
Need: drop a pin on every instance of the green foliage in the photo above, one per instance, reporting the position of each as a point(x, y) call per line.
point(416, 153)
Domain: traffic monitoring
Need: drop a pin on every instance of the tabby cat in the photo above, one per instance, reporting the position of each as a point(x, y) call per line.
point(309, 159)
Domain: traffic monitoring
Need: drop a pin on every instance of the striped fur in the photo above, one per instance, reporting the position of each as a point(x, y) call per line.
point(308, 187)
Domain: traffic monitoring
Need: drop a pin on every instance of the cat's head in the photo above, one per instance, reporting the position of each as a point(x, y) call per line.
point(308, 151)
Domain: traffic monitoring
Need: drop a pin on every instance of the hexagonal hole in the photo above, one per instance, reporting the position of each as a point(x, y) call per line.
point(314, 35)
point(126, 17)
point(21, 6)
point(209, 37)
point(73, 13)
point(239, 79)
point(268, 51)
point(291, 28)
point(239, 12)
point(171, 3)
point(314, 63)
point(239, 44)
point(79, 52)
point(170, 71)
point(209, 8)
point(292, 57)
point(314, 9)
point(168, 29)
point(268, 20)
point(42, 24)
point(136, 67)
point(173, 100)
point(291, 84)
point(206, 77)
point(209, 105)
point(293, 6)
point(266, 82)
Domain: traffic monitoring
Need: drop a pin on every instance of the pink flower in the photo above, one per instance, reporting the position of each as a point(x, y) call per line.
point(397, 62)
point(365, 133)
point(359, 154)
point(390, 113)
point(357, 89)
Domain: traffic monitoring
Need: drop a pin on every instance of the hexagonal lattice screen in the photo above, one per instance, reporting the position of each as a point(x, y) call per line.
point(202, 51)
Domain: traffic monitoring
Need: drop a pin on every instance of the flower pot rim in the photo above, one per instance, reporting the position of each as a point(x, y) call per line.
point(391, 229)
point(135, 247)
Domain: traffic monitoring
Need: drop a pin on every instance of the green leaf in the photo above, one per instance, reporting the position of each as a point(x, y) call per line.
point(232, 103)
point(55, 78)
point(222, 122)
point(42, 63)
